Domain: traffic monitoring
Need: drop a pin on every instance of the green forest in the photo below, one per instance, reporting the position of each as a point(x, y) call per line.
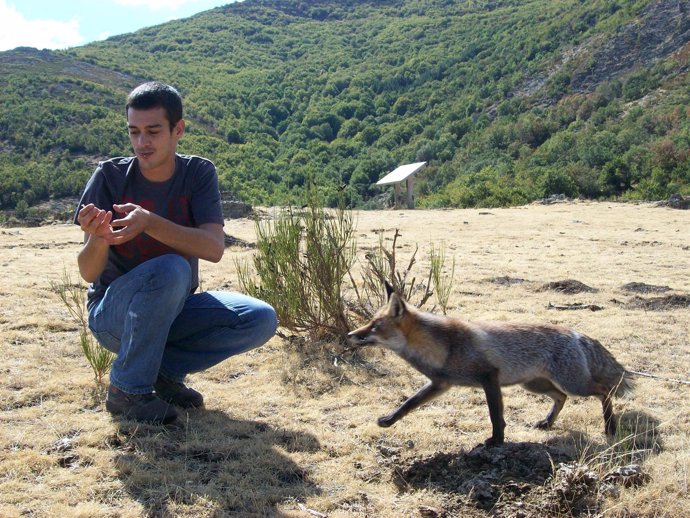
point(508, 101)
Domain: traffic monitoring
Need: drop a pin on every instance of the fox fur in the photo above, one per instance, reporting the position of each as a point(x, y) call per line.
point(544, 359)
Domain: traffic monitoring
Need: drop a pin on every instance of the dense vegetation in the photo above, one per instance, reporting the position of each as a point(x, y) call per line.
point(507, 100)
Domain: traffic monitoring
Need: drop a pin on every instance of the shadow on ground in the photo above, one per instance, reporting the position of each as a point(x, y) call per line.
point(208, 463)
point(482, 475)
point(568, 475)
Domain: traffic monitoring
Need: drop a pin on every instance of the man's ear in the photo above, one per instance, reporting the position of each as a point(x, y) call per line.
point(179, 128)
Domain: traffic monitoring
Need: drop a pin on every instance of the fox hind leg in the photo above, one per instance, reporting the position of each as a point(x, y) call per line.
point(544, 386)
point(605, 393)
point(426, 393)
point(609, 418)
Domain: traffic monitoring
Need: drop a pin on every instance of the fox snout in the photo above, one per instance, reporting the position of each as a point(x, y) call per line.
point(358, 337)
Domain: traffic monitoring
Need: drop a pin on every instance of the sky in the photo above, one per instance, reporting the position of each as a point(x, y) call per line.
point(55, 24)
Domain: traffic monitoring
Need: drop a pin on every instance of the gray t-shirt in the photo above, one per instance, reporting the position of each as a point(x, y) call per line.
point(190, 198)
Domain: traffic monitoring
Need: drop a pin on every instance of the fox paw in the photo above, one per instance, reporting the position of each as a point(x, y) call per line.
point(493, 441)
point(543, 424)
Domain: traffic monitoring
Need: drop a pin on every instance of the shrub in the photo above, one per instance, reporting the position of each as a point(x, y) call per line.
point(72, 295)
point(301, 261)
point(304, 259)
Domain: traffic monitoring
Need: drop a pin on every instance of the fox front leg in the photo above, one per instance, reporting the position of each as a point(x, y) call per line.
point(426, 393)
point(494, 399)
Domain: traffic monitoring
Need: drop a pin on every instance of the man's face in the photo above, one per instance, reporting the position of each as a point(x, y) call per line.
point(153, 142)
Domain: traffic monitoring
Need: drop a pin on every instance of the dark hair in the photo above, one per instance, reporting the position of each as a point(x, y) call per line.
point(156, 94)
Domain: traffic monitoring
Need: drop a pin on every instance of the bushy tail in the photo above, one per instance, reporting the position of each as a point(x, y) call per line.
point(608, 371)
point(625, 385)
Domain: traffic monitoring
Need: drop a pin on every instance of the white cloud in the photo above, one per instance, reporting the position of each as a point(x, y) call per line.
point(17, 31)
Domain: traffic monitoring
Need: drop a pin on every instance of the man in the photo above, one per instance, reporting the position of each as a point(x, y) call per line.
point(147, 220)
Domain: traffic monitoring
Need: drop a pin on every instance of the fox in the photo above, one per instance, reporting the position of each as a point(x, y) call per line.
point(544, 359)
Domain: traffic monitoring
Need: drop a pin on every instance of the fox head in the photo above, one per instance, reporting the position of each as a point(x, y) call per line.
point(386, 327)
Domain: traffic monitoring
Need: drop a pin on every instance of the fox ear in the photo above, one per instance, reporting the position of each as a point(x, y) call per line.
point(396, 306)
point(389, 289)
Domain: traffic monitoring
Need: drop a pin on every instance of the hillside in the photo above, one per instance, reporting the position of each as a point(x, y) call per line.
point(507, 100)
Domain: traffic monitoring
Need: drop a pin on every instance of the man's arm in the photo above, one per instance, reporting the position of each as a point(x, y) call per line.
point(93, 257)
point(205, 242)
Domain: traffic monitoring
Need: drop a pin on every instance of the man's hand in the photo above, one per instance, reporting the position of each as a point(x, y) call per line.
point(205, 242)
point(135, 221)
point(95, 221)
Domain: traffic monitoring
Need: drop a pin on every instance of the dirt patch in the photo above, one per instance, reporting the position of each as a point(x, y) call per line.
point(505, 280)
point(569, 286)
point(659, 303)
point(641, 287)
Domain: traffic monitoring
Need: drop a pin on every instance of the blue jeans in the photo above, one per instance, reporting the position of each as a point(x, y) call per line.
point(157, 328)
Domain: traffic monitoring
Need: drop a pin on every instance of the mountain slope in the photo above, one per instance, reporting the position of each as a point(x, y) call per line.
point(507, 100)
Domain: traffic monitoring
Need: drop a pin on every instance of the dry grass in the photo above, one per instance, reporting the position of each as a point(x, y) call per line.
point(291, 428)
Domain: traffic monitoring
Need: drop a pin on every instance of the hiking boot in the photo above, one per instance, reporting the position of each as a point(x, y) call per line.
point(178, 393)
point(146, 408)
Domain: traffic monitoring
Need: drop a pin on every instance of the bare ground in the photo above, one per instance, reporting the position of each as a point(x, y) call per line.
point(289, 429)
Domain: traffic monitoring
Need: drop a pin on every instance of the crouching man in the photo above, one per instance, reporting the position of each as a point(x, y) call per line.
point(147, 220)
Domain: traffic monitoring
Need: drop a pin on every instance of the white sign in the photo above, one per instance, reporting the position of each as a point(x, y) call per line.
point(400, 173)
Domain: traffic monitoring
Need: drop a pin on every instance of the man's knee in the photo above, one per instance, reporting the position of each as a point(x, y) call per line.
point(266, 319)
point(175, 271)
point(175, 265)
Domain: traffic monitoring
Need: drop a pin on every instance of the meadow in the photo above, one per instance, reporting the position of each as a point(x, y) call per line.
point(289, 429)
